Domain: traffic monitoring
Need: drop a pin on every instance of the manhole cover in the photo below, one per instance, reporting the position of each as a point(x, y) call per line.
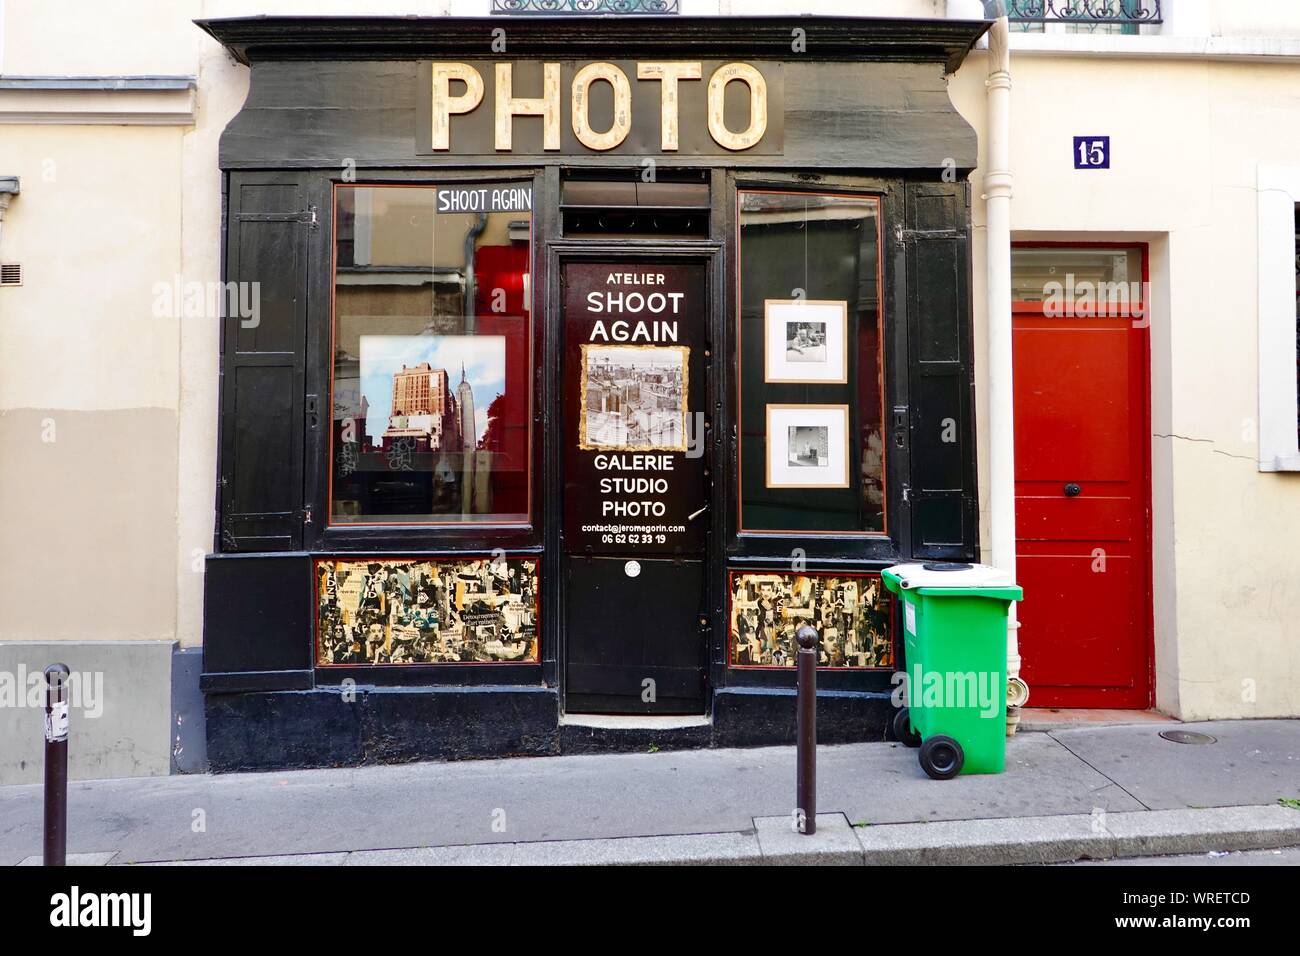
point(1186, 737)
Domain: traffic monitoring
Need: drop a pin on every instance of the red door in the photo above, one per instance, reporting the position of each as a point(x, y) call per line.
point(1082, 407)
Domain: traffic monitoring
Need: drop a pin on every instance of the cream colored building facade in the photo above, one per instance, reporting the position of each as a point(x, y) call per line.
point(110, 117)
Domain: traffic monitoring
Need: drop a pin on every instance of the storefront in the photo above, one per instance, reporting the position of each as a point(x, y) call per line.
point(588, 359)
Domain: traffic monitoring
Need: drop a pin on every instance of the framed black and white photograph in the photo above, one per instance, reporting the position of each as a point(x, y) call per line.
point(634, 397)
point(807, 446)
point(805, 341)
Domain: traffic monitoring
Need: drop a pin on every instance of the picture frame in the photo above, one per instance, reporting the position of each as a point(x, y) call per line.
point(805, 341)
point(634, 397)
point(807, 446)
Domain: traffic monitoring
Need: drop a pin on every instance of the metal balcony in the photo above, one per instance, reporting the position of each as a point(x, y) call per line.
point(1085, 13)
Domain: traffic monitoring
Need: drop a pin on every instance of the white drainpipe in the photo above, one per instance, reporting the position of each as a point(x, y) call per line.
point(1002, 465)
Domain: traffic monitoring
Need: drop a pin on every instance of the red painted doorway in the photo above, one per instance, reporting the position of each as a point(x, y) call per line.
point(1083, 473)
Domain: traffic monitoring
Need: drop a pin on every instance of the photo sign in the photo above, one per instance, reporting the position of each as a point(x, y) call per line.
point(620, 107)
point(633, 383)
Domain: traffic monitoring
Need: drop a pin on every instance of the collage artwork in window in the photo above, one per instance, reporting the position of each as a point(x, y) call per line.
point(849, 612)
point(418, 611)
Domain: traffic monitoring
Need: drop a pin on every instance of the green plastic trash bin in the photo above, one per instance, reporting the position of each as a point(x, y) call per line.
point(955, 633)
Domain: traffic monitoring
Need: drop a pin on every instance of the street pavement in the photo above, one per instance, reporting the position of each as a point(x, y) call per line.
point(1094, 791)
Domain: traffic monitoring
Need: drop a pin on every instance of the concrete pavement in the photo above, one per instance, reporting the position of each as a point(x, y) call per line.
point(1087, 791)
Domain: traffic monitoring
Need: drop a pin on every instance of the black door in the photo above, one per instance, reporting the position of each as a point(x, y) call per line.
point(634, 532)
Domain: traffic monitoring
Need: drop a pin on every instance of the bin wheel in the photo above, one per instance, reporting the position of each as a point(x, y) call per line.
point(941, 757)
point(903, 731)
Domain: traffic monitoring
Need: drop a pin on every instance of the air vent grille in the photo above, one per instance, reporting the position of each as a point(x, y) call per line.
point(11, 273)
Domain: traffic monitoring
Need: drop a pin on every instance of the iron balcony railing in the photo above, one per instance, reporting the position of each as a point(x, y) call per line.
point(569, 7)
point(1131, 13)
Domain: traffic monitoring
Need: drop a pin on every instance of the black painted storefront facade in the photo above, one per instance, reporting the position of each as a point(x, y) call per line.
point(861, 109)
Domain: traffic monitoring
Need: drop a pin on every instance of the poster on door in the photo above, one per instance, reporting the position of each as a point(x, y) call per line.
point(634, 435)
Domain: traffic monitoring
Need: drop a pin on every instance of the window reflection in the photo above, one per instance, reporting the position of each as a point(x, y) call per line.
point(811, 378)
point(431, 386)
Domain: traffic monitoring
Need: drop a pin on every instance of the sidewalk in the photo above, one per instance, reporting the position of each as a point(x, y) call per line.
point(1095, 792)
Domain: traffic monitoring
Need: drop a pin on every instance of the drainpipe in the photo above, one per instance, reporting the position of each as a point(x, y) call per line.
point(471, 272)
point(1002, 467)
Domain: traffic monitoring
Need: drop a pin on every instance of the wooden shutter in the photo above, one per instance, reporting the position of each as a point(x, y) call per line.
point(262, 364)
point(941, 490)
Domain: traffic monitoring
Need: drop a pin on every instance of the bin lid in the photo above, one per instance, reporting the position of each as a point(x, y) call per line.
point(937, 577)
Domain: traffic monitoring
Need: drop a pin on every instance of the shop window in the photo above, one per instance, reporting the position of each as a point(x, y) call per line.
point(850, 612)
point(432, 377)
point(466, 610)
point(812, 457)
point(618, 204)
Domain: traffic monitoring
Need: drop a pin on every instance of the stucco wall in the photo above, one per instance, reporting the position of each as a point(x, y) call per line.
point(88, 384)
point(1186, 138)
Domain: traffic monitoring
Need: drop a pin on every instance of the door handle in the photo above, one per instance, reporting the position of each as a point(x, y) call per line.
point(695, 514)
point(1072, 490)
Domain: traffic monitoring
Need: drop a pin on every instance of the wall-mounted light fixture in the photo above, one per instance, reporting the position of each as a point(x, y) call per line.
point(10, 274)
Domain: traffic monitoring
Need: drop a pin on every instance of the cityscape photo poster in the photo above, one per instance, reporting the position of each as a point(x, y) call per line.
point(429, 393)
point(633, 397)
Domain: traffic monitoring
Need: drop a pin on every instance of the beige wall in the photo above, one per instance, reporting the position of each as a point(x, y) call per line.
point(1186, 137)
point(88, 384)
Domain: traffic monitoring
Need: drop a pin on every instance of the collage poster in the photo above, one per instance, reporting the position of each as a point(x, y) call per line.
point(850, 613)
point(422, 611)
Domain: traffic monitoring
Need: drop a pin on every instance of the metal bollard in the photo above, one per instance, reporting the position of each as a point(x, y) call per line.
point(806, 758)
point(56, 765)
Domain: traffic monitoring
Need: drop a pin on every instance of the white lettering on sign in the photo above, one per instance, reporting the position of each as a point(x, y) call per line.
point(633, 509)
point(453, 199)
point(634, 462)
point(656, 302)
point(634, 486)
point(620, 331)
point(669, 75)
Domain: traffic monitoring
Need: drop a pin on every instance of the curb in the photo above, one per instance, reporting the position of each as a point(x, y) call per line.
point(772, 841)
point(1067, 838)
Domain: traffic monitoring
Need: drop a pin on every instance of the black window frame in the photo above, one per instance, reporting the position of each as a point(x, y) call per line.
point(768, 548)
point(321, 537)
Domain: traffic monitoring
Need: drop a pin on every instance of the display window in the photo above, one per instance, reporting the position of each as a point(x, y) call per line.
point(811, 376)
point(465, 610)
point(850, 612)
point(432, 370)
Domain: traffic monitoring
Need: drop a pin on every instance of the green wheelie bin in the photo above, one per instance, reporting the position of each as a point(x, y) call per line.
point(955, 634)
